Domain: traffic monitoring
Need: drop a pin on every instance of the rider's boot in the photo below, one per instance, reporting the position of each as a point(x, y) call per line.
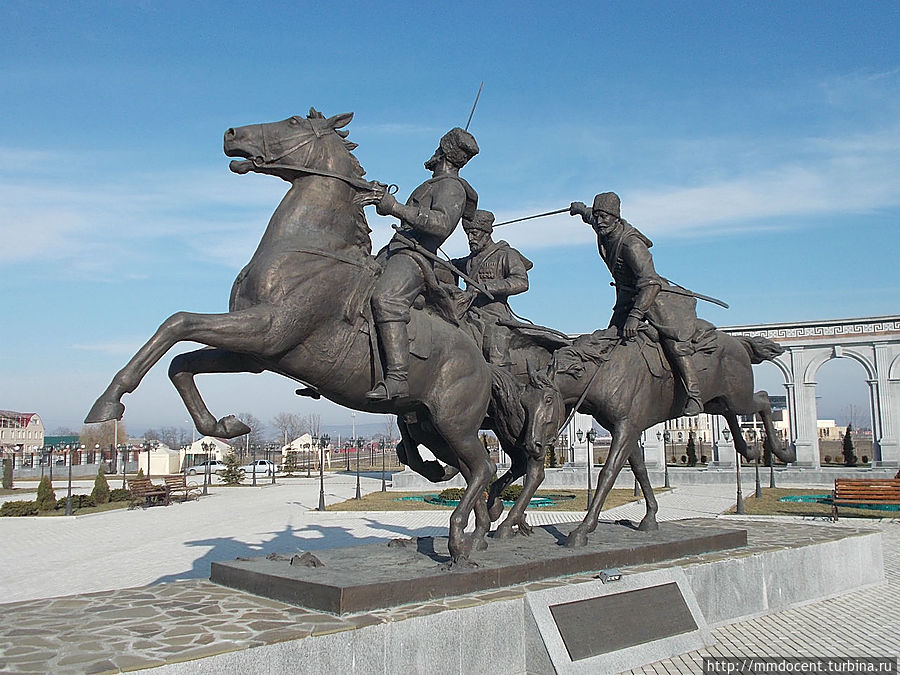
point(395, 347)
point(497, 339)
point(694, 404)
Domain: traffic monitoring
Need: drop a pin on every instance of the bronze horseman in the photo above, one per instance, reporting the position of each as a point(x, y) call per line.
point(429, 216)
point(641, 294)
point(501, 271)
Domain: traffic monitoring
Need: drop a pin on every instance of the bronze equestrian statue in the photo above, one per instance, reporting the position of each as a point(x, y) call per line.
point(301, 308)
point(642, 295)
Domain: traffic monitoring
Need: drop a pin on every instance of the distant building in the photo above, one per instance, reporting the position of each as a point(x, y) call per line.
point(21, 435)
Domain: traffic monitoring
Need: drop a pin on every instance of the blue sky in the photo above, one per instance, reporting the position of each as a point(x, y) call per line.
point(756, 144)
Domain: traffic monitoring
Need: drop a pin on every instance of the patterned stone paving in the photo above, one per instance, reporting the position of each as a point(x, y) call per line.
point(131, 629)
point(862, 623)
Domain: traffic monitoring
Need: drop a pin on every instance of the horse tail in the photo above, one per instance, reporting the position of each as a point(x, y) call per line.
point(506, 406)
point(760, 349)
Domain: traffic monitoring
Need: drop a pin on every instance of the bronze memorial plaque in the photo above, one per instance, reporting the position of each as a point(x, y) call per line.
point(613, 622)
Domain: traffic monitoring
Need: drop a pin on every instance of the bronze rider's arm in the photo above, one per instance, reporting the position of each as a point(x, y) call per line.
point(438, 218)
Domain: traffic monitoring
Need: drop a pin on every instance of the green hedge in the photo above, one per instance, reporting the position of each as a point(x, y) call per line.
point(119, 495)
point(18, 509)
point(78, 502)
point(451, 494)
point(511, 493)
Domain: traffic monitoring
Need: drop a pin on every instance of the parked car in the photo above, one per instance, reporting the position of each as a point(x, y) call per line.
point(215, 466)
point(263, 468)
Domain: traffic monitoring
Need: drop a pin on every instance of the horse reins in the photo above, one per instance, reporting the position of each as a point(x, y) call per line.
point(260, 162)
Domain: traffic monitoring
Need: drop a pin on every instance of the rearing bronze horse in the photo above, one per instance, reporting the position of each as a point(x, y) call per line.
point(298, 309)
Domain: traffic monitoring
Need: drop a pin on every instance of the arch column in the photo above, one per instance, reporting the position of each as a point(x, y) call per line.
point(654, 451)
point(804, 429)
point(885, 395)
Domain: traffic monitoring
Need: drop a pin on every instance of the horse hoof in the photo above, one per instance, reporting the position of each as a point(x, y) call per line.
point(525, 528)
point(648, 525)
point(576, 539)
point(495, 510)
point(458, 565)
point(480, 544)
point(504, 532)
point(231, 427)
point(104, 410)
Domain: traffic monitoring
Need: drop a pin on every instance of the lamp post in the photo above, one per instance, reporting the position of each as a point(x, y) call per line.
point(383, 483)
point(580, 435)
point(739, 507)
point(253, 449)
point(323, 442)
point(637, 486)
point(205, 447)
point(273, 447)
point(757, 493)
point(69, 491)
point(772, 468)
point(665, 436)
point(123, 447)
point(356, 443)
point(314, 444)
point(147, 446)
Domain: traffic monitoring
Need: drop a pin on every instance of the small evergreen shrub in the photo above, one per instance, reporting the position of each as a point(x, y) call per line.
point(847, 451)
point(19, 509)
point(7, 474)
point(291, 464)
point(451, 494)
point(704, 459)
point(119, 495)
point(140, 473)
point(550, 459)
point(828, 459)
point(46, 498)
point(691, 450)
point(100, 493)
point(78, 502)
point(865, 459)
point(232, 474)
point(511, 493)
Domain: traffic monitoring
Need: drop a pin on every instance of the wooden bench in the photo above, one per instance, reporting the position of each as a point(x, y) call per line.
point(850, 491)
point(177, 485)
point(145, 493)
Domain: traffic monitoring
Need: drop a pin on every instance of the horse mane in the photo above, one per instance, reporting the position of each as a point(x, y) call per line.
point(594, 348)
point(506, 406)
point(343, 133)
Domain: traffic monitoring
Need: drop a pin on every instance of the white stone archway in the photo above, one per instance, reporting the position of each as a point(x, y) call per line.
point(873, 342)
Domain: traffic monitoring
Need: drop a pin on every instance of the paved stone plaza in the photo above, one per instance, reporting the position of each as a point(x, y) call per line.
point(129, 588)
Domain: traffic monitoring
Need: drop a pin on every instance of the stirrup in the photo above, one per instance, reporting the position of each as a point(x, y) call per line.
point(385, 392)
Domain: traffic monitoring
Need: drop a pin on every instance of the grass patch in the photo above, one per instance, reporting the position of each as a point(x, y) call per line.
point(390, 501)
point(111, 506)
point(17, 491)
point(769, 505)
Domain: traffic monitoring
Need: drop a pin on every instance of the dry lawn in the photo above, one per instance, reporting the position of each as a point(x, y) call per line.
point(769, 505)
point(391, 501)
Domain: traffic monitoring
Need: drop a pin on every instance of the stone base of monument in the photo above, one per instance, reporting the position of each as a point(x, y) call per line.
point(377, 576)
point(582, 622)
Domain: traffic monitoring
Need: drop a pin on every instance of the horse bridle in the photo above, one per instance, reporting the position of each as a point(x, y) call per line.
point(263, 161)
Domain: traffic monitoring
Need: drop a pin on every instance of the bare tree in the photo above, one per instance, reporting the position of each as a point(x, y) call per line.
point(289, 426)
point(103, 434)
point(388, 430)
point(169, 436)
point(63, 431)
point(314, 423)
point(256, 435)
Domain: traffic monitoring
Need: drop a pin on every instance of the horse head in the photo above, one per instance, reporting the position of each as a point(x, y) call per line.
point(545, 412)
point(296, 146)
